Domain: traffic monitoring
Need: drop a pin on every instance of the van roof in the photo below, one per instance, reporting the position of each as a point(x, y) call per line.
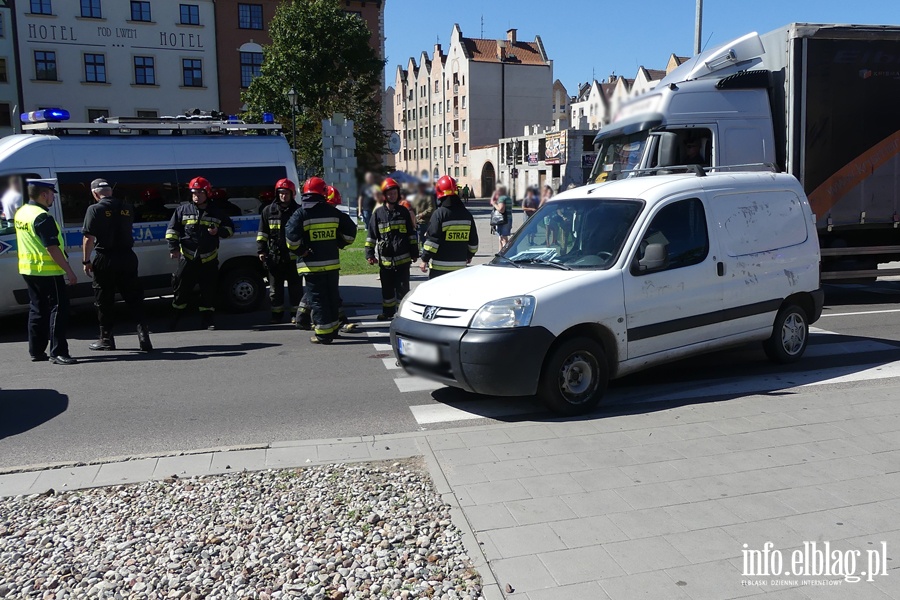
point(658, 187)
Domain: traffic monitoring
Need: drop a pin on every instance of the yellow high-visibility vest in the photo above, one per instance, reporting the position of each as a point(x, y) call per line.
point(34, 259)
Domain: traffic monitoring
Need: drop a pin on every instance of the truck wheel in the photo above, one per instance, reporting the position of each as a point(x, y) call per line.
point(574, 377)
point(790, 335)
point(241, 289)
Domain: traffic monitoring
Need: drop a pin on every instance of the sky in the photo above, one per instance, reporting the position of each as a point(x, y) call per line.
point(588, 39)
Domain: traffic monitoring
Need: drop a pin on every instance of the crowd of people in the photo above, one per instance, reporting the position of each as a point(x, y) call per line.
point(298, 242)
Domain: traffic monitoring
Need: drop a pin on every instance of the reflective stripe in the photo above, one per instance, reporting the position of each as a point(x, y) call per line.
point(207, 309)
point(447, 265)
point(327, 328)
point(447, 224)
point(473, 249)
point(262, 237)
point(179, 306)
point(431, 247)
point(349, 238)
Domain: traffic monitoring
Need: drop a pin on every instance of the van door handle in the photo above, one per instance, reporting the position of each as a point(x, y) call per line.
point(720, 268)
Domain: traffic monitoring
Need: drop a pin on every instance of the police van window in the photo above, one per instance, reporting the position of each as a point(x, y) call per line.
point(681, 228)
point(7, 225)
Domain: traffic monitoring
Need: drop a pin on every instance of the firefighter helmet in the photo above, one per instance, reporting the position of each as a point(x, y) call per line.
point(286, 184)
point(445, 186)
point(389, 184)
point(333, 196)
point(200, 183)
point(314, 185)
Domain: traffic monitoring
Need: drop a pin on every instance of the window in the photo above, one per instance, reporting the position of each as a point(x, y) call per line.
point(464, 125)
point(464, 150)
point(192, 72)
point(95, 68)
point(147, 114)
point(90, 9)
point(2, 26)
point(96, 113)
point(144, 70)
point(465, 171)
point(3, 75)
point(681, 228)
point(437, 86)
point(140, 11)
point(456, 172)
point(5, 115)
point(463, 101)
point(41, 7)
point(44, 65)
point(250, 16)
point(190, 14)
point(251, 63)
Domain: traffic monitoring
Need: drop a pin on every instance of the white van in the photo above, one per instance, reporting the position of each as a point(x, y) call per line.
point(149, 163)
point(621, 276)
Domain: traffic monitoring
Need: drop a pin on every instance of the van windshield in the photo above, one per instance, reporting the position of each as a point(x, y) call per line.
point(573, 234)
point(618, 154)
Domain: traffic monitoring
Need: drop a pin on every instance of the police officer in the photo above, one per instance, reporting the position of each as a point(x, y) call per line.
point(193, 235)
point(452, 240)
point(107, 230)
point(391, 230)
point(315, 233)
point(274, 253)
point(43, 264)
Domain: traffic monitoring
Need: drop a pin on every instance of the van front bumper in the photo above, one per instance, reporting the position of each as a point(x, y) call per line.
point(505, 362)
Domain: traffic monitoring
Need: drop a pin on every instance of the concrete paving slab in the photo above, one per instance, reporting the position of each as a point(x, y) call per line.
point(755, 534)
point(460, 457)
point(650, 522)
point(608, 458)
point(580, 565)
point(592, 504)
point(757, 507)
point(705, 545)
point(291, 456)
point(524, 574)
point(712, 581)
point(496, 491)
point(652, 585)
point(530, 433)
point(550, 485)
point(519, 450)
point(340, 452)
point(525, 539)
point(71, 478)
point(130, 471)
point(699, 515)
point(465, 475)
point(187, 465)
point(473, 439)
point(604, 479)
point(590, 590)
point(808, 499)
point(657, 472)
point(653, 453)
point(539, 510)
point(857, 491)
point(646, 554)
point(589, 531)
point(508, 469)
point(562, 463)
point(235, 462)
point(16, 484)
point(486, 517)
point(651, 495)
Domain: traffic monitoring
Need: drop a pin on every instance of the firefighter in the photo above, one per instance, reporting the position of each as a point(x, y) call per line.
point(193, 235)
point(107, 230)
point(274, 253)
point(391, 230)
point(333, 196)
point(315, 233)
point(452, 240)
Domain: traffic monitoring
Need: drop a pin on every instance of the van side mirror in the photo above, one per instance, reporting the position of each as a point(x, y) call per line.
point(656, 256)
point(667, 150)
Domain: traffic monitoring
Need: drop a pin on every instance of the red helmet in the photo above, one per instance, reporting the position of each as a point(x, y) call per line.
point(333, 196)
point(389, 184)
point(445, 186)
point(315, 185)
point(219, 194)
point(286, 184)
point(200, 183)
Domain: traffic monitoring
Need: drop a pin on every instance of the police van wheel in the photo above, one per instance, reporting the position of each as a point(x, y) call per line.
point(241, 289)
point(790, 335)
point(574, 377)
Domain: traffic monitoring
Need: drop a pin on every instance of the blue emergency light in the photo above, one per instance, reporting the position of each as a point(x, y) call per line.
point(47, 115)
point(268, 118)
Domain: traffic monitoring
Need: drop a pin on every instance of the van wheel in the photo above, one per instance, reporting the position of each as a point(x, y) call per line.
point(790, 335)
point(241, 289)
point(575, 377)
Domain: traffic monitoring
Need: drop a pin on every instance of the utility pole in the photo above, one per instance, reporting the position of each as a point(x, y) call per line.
point(698, 27)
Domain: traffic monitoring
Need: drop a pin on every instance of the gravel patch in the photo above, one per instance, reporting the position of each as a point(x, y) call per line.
point(363, 530)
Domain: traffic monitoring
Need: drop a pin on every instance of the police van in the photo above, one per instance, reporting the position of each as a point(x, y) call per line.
point(149, 163)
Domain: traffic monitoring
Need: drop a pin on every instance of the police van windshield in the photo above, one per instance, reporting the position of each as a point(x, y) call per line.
point(573, 234)
point(617, 155)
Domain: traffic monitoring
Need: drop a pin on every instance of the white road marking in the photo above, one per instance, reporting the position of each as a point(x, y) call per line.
point(442, 413)
point(390, 363)
point(416, 384)
point(862, 312)
point(383, 348)
point(847, 348)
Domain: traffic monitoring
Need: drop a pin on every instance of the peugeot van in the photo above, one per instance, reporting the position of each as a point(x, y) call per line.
point(611, 278)
point(149, 163)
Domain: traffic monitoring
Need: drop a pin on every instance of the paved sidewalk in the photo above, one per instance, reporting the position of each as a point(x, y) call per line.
point(655, 504)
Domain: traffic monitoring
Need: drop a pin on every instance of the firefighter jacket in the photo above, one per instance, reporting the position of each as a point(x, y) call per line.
point(270, 237)
point(316, 232)
point(189, 231)
point(393, 232)
point(452, 239)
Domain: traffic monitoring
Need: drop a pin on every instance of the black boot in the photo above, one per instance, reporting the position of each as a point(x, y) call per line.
point(144, 338)
point(276, 317)
point(106, 341)
point(173, 324)
point(207, 320)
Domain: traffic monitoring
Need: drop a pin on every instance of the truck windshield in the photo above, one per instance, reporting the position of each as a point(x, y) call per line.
point(618, 154)
point(572, 234)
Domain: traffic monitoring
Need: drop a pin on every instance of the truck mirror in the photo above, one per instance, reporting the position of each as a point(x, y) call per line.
point(656, 256)
point(667, 152)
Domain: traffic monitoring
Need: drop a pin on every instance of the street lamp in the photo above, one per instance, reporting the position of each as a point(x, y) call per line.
point(292, 98)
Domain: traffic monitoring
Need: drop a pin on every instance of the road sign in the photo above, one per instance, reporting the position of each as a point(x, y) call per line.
point(514, 173)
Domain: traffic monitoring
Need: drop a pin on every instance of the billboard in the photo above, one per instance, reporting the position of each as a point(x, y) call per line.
point(556, 148)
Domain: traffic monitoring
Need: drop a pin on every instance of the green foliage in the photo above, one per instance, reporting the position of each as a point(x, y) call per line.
point(324, 54)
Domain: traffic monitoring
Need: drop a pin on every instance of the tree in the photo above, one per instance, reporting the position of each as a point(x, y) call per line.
point(322, 52)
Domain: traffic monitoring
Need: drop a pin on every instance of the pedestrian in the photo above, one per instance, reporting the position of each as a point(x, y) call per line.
point(193, 235)
point(365, 203)
point(391, 230)
point(12, 198)
point(274, 254)
point(530, 204)
point(465, 193)
point(452, 239)
point(107, 233)
point(316, 232)
point(45, 268)
point(503, 204)
point(423, 205)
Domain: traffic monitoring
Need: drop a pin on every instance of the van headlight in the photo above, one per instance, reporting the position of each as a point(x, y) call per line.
point(505, 313)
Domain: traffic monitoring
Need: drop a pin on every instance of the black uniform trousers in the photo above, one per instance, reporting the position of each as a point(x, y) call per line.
point(324, 298)
point(394, 286)
point(117, 272)
point(279, 273)
point(48, 316)
point(432, 273)
point(193, 272)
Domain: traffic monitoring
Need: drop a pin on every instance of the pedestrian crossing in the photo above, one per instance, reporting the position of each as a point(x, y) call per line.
point(823, 344)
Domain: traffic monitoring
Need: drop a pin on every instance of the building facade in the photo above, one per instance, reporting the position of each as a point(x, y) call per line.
point(116, 58)
point(9, 75)
point(478, 92)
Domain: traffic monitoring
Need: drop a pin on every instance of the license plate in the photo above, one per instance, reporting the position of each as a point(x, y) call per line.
point(421, 351)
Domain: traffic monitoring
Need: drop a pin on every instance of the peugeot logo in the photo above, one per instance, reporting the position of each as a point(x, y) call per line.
point(429, 312)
